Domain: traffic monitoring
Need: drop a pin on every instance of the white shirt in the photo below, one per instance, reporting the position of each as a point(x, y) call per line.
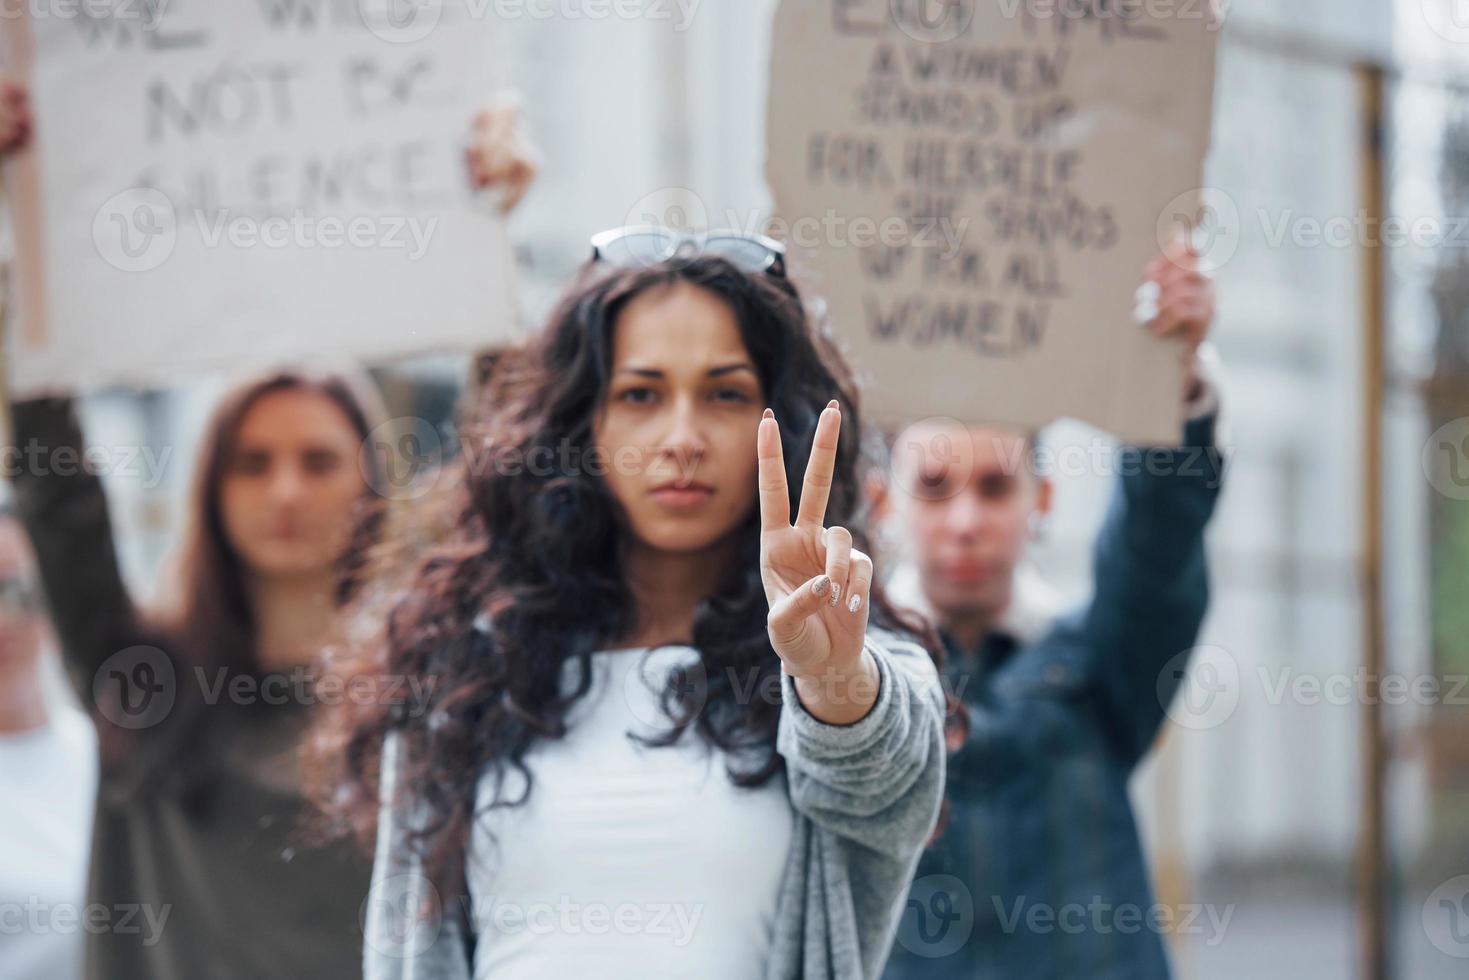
point(48, 784)
point(628, 861)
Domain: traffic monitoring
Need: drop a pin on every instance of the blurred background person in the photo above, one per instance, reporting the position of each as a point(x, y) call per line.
point(198, 800)
point(48, 782)
point(201, 701)
point(1060, 710)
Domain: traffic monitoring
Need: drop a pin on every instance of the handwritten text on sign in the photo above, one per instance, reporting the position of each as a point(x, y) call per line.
point(1018, 156)
point(249, 181)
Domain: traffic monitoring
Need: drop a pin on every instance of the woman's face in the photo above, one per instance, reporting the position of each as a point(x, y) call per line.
point(676, 435)
point(290, 484)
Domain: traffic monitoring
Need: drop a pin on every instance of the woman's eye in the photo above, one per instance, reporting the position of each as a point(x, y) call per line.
point(250, 463)
point(637, 396)
point(732, 395)
point(319, 462)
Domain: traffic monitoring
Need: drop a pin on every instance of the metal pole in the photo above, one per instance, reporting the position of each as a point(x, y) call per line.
point(1372, 912)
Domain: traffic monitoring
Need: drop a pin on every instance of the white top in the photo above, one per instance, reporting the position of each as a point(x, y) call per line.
point(628, 861)
point(49, 777)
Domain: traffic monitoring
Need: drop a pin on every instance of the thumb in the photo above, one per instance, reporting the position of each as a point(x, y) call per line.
point(787, 620)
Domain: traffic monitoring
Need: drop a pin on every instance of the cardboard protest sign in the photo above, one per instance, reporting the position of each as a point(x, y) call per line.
point(982, 183)
point(237, 182)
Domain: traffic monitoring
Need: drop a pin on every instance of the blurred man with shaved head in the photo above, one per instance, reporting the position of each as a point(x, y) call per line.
point(1039, 871)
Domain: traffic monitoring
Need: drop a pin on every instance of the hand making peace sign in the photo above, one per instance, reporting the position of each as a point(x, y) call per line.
point(817, 584)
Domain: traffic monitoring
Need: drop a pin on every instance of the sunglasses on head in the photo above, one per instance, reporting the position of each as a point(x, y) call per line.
point(650, 245)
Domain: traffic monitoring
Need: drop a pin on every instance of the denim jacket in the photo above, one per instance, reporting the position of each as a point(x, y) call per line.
point(1040, 872)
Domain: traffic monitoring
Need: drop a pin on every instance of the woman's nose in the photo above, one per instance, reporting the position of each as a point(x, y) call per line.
point(685, 437)
point(286, 485)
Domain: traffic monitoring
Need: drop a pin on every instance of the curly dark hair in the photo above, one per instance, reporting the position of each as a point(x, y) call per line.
point(531, 575)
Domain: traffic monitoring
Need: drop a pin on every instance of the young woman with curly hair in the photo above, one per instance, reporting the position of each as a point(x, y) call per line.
point(672, 731)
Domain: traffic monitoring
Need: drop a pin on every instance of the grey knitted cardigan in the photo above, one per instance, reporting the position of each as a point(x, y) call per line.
point(866, 796)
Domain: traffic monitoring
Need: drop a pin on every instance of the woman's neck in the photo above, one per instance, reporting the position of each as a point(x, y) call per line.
point(667, 587)
point(294, 617)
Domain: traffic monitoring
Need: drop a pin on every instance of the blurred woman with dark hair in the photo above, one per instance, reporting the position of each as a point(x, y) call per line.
point(654, 697)
point(201, 706)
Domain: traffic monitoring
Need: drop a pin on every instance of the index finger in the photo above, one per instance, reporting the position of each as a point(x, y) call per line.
point(775, 495)
point(817, 486)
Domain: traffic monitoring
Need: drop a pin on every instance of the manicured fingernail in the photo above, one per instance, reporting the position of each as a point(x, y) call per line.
point(821, 585)
point(836, 594)
point(834, 404)
point(854, 602)
point(769, 413)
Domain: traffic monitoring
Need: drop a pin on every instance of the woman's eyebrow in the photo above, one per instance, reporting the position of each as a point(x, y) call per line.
point(714, 372)
point(730, 368)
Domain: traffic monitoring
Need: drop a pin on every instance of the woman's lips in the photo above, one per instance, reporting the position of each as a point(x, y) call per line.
point(682, 497)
